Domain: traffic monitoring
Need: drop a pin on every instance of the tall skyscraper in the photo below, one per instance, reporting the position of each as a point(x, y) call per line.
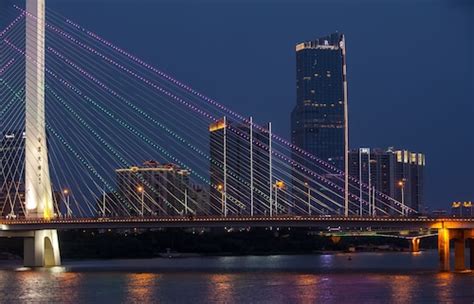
point(319, 119)
point(396, 173)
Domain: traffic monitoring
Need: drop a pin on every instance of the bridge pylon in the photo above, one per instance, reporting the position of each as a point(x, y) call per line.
point(43, 248)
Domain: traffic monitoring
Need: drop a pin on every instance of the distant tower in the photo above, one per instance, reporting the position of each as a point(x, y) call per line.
point(39, 200)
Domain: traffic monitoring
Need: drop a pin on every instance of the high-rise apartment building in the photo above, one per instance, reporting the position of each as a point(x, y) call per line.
point(160, 188)
point(236, 165)
point(396, 173)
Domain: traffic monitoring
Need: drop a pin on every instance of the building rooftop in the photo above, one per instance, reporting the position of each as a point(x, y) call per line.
point(334, 41)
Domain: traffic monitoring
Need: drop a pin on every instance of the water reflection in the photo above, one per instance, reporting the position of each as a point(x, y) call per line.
point(47, 285)
point(367, 278)
point(221, 287)
point(444, 286)
point(307, 288)
point(403, 288)
point(140, 287)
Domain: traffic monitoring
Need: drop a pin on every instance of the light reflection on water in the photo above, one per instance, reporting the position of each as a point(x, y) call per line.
point(139, 287)
point(444, 286)
point(402, 288)
point(307, 287)
point(367, 278)
point(221, 287)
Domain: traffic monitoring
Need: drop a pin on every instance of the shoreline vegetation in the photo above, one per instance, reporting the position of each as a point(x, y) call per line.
point(185, 243)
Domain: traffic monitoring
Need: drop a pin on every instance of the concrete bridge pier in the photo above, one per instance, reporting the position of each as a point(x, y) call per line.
point(459, 236)
point(459, 249)
point(443, 249)
point(471, 252)
point(415, 245)
point(42, 249)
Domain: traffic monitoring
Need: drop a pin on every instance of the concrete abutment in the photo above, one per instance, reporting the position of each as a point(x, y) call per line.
point(42, 250)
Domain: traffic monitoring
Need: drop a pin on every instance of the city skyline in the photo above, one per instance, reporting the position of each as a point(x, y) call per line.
point(370, 55)
point(109, 153)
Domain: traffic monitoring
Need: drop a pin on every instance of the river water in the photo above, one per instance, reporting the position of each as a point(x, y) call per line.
point(365, 278)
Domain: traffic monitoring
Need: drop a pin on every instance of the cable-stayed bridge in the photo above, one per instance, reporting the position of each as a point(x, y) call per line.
point(93, 136)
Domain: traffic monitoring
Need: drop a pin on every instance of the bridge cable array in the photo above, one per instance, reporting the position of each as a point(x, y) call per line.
point(126, 139)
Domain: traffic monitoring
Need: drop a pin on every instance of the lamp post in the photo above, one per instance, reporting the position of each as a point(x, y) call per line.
point(401, 184)
point(68, 208)
point(141, 190)
point(278, 185)
point(220, 188)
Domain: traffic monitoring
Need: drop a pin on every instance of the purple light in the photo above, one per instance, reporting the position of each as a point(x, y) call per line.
point(189, 89)
point(215, 103)
point(12, 24)
point(6, 66)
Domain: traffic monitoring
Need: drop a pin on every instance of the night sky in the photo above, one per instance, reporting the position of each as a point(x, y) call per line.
point(410, 65)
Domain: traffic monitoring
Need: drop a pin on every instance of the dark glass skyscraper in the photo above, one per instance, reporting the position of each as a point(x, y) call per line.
point(319, 119)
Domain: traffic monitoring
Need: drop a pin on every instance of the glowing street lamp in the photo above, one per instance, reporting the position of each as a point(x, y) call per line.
point(278, 185)
point(401, 184)
point(67, 201)
point(220, 188)
point(141, 190)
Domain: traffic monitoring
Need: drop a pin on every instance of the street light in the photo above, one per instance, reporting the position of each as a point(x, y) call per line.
point(220, 188)
point(278, 185)
point(141, 190)
point(309, 197)
point(68, 208)
point(401, 184)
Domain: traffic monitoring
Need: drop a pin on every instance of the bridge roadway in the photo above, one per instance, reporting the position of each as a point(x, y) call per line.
point(402, 223)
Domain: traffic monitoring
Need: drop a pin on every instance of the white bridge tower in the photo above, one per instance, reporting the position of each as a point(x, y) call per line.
point(43, 248)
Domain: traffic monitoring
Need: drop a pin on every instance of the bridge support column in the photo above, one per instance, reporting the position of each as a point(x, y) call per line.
point(42, 250)
point(469, 235)
point(459, 236)
point(415, 245)
point(459, 259)
point(443, 249)
point(471, 253)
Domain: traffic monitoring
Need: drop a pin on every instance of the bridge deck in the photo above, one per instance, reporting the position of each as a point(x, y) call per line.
point(241, 221)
